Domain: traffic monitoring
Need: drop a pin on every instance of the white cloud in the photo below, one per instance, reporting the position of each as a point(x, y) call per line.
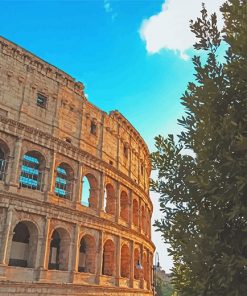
point(108, 9)
point(107, 6)
point(169, 29)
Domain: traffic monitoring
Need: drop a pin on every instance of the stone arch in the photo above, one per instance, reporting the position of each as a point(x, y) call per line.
point(23, 250)
point(64, 177)
point(59, 249)
point(125, 261)
point(137, 264)
point(32, 170)
point(124, 206)
point(89, 196)
point(4, 155)
point(108, 264)
point(87, 251)
point(110, 199)
point(135, 212)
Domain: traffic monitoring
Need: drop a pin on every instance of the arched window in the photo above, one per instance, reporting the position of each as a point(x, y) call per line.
point(59, 250)
point(135, 212)
point(108, 266)
point(110, 199)
point(32, 170)
point(125, 261)
point(89, 196)
point(87, 254)
point(124, 206)
point(64, 181)
point(3, 160)
point(24, 245)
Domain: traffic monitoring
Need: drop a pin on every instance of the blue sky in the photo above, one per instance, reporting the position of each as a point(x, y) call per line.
point(109, 46)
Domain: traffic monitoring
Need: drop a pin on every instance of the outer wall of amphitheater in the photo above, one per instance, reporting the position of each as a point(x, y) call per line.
point(75, 211)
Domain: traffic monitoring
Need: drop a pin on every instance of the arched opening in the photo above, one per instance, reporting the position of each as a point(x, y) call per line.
point(89, 196)
point(24, 245)
point(87, 255)
point(108, 264)
point(124, 206)
point(64, 181)
point(59, 250)
point(4, 153)
point(32, 171)
point(125, 261)
point(135, 212)
point(110, 199)
point(137, 263)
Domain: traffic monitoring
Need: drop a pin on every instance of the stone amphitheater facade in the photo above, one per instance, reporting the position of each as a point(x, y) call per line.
point(75, 211)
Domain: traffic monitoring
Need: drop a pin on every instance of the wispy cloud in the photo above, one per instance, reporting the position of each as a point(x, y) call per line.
point(169, 29)
point(108, 9)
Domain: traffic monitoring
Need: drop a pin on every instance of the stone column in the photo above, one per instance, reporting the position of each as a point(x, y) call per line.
point(51, 176)
point(45, 250)
point(14, 173)
point(130, 208)
point(132, 264)
point(117, 202)
point(45, 179)
point(6, 237)
point(99, 257)
point(74, 250)
point(118, 260)
point(101, 191)
point(78, 184)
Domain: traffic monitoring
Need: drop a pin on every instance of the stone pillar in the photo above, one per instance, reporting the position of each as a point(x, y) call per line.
point(130, 208)
point(118, 260)
point(132, 264)
point(101, 191)
point(117, 202)
point(78, 184)
point(139, 215)
point(45, 179)
point(74, 250)
point(45, 249)
point(14, 174)
point(6, 237)
point(99, 257)
point(39, 251)
point(51, 176)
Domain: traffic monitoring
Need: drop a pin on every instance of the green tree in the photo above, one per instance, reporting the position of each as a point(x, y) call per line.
point(162, 288)
point(203, 194)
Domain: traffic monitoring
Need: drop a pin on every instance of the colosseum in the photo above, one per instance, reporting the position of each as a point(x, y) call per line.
point(75, 211)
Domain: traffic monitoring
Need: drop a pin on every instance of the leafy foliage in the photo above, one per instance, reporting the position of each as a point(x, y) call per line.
point(162, 288)
point(203, 195)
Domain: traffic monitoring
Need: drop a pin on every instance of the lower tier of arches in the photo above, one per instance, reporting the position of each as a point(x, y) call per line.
point(16, 281)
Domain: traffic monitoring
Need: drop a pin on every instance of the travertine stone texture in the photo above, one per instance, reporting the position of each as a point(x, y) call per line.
point(59, 236)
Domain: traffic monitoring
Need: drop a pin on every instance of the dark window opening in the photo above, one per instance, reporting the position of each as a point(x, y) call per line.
point(68, 140)
point(3, 165)
point(54, 251)
point(110, 162)
point(93, 129)
point(41, 101)
point(126, 151)
point(142, 169)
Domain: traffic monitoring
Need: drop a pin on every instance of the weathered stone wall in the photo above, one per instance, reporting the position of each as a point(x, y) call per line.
point(71, 133)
